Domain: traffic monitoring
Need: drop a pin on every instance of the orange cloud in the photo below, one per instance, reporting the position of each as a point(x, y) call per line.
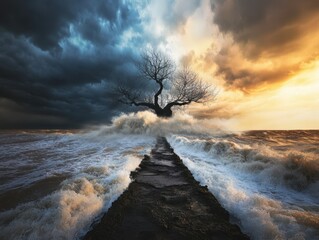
point(258, 53)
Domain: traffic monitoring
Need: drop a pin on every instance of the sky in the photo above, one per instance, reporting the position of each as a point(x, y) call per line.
point(61, 60)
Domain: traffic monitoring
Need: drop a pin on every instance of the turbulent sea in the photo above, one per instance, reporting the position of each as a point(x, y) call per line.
point(57, 183)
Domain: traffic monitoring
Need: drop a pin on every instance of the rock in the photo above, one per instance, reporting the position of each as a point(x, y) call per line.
point(165, 202)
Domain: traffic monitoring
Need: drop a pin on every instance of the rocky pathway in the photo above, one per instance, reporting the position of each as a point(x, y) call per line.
point(165, 202)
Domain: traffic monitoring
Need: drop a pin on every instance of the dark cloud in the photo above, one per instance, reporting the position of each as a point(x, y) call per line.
point(268, 31)
point(269, 26)
point(60, 60)
point(15, 116)
point(249, 77)
point(47, 22)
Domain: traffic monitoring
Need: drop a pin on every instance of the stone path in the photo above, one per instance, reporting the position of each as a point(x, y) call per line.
point(165, 202)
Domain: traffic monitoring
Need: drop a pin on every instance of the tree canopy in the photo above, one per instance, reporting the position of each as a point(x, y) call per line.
point(174, 86)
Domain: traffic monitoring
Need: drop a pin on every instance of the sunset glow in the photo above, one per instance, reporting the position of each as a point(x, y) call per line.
point(159, 119)
point(276, 89)
point(262, 57)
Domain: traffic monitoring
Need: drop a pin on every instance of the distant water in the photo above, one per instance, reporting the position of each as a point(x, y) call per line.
point(267, 180)
point(56, 183)
point(53, 185)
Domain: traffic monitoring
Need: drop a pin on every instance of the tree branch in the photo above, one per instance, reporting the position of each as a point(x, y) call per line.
point(130, 97)
point(159, 92)
point(186, 86)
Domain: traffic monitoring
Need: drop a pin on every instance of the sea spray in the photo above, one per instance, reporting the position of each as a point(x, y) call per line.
point(146, 122)
point(270, 189)
point(267, 180)
point(96, 170)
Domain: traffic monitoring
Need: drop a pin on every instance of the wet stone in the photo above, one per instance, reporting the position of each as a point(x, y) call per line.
point(174, 199)
point(164, 163)
point(160, 181)
point(165, 202)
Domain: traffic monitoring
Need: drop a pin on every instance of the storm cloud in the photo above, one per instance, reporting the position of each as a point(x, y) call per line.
point(282, 32)
point(60, 60)
point(48, 22)
point(270, 26)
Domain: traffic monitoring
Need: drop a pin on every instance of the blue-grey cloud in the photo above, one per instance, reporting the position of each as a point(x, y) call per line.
point(62, 60)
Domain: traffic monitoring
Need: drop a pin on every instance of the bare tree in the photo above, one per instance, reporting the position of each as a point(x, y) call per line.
point(184, 86)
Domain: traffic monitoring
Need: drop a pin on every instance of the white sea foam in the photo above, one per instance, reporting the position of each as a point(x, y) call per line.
point(146, 122)
point(97, 171)
point(271, 194)
point(267, 180)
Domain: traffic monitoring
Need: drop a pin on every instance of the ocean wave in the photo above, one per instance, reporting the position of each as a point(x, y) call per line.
point(293, 169)
point(267, 180)
point(145, 122)
point(271, 194)
point(95, 171)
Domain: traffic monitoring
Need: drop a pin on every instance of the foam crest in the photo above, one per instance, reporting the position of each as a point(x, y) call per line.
point(294, 169)
point(271, 194)
point(57, 216)
point(96, 169)
point(67, 213)
point(146, 122)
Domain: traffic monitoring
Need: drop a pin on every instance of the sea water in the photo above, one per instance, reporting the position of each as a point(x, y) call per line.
point(267, 180)
point(54, 185)
point(57, 183)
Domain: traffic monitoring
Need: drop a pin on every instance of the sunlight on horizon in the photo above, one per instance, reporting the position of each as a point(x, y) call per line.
point(294, 105)
point(282, 92)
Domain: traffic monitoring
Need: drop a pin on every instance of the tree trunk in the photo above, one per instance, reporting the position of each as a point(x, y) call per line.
point(165, 113)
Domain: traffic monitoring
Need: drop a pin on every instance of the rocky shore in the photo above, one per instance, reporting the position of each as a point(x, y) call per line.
point(165, 202)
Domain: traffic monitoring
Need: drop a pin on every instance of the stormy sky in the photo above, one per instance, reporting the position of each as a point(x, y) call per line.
point(61, 60)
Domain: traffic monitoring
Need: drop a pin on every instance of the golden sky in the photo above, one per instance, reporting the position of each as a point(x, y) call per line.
point(61, 62)
point(262, 55)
